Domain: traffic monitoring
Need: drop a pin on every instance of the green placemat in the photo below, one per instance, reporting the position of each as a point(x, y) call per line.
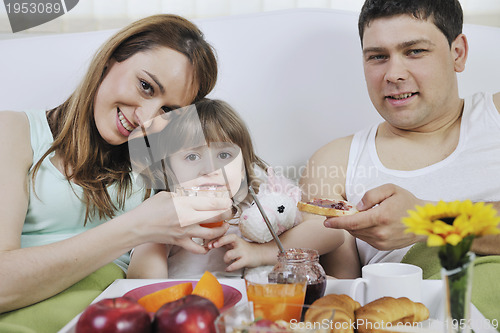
point(51, 315)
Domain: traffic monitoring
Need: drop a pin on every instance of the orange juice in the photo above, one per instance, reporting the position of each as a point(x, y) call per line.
point(205, 191)
point(212, 225)
point(276, 301)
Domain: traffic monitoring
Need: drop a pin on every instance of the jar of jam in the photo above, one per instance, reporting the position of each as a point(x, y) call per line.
point(301, 262)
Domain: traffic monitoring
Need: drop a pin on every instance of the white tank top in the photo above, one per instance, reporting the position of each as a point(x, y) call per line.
point(472, 171)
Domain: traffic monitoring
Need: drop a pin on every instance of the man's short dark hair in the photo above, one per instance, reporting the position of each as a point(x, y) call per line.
point(447, 15)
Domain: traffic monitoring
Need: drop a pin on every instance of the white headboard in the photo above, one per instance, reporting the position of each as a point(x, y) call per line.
point(295, 76)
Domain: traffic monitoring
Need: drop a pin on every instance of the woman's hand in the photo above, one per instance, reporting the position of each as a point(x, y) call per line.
point(169, 219)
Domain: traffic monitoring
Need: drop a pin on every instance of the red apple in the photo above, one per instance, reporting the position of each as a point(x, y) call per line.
point(190, 314)
point(114, 315)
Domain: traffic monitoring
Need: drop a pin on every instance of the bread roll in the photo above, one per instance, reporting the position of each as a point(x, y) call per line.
point(385, 312)
point(321, 311)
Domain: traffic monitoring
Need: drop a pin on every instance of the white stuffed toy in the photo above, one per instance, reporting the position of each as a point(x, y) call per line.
point(278, 197)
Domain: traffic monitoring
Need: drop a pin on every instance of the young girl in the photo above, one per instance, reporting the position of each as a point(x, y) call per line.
point(69, 204)
point(207, 147)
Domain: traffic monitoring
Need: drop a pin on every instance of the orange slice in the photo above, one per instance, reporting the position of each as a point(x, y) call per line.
point(152, 302)
point(209, 287)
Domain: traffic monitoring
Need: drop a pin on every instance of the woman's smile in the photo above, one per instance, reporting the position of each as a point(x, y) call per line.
point(123, 124)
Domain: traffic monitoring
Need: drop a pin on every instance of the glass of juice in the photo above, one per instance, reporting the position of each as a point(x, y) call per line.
point(205, 191)
point(276, 301)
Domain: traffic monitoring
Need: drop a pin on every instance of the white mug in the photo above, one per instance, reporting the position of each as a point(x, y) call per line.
point(388, 279)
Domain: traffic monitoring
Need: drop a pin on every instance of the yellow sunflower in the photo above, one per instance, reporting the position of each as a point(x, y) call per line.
point(449, 223)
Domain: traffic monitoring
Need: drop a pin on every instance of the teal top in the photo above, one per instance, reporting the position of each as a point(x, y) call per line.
point(55, 211)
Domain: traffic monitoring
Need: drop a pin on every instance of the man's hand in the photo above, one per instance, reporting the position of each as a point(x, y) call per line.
point(379, 221)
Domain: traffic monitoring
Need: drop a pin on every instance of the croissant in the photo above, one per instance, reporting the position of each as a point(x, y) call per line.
point(321, 312)
point(388, 311)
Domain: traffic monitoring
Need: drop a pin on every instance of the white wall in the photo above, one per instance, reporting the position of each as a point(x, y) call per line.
point(90, 15)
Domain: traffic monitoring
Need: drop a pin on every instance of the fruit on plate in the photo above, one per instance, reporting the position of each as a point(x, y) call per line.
point(114, 315)
point(209, 287)
point(152, 302)
point(190, 314)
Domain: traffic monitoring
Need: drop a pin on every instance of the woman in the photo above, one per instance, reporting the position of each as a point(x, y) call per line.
point(68, 169)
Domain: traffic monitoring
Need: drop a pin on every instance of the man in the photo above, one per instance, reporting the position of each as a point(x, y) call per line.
point(433, 145)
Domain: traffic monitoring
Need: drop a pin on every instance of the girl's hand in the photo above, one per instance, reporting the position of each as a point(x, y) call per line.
point(240, 253)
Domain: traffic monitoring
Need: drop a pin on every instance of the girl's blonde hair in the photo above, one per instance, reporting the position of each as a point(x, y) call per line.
point(88, 160)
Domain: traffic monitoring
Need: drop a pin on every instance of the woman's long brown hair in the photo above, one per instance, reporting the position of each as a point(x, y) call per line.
point(88, 160)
